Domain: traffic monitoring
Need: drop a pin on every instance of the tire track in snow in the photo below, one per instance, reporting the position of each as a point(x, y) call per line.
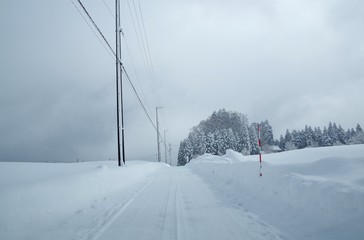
point(167, 225)
point(174, 222)
point(111, 215)
point(180, 211)
point(177, 204)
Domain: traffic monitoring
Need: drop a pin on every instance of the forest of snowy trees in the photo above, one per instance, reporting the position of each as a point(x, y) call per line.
point(231, 130)
point(315, 137)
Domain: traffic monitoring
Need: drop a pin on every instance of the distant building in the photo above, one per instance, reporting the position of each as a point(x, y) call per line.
point(275, 149)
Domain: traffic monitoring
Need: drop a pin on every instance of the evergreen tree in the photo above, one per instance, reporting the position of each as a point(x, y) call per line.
point(231, 142)
point(341, 135)
point(266, 136)
point(181, 158)
point(332, 132)
point(358, 129)
point(287, 136)
point(282, 143)
point(222, 141)
point(216, 142)
point(253, 139)
point(317, 137)
point(244, 141)
point(326, 139)
point(299, 139)
point(210, 141)
point(350, 134)
point(357, 137)
point(309, 136)
point(188, 150)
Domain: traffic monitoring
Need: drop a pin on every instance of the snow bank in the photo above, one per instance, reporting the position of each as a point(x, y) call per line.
point(36, 198)
point(313, 193)
point(230, 157)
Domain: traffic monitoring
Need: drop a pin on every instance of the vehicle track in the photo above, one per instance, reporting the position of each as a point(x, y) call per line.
point(177, 204)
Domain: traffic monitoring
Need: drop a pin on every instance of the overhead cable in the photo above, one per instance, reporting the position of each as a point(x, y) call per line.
point(122, 66)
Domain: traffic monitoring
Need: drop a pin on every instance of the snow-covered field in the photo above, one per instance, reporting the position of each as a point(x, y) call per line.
point(315, 193)
point(303, 194)
point(66, 200)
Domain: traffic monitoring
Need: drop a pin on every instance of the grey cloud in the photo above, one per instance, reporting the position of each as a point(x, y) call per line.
point(291, 62)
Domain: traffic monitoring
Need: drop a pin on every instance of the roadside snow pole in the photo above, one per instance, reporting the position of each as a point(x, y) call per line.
point(260, 152)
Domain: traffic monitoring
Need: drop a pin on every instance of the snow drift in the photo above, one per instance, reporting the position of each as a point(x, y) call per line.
point(38, 199)
point(315, 193)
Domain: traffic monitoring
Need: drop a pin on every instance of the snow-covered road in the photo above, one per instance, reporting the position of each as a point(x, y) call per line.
point(177, 204)
point(309, 194)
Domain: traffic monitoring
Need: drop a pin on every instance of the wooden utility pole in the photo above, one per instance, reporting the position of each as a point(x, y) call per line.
point(170, 156)
point(158, 135)
point(119, 89)
point(165, 146)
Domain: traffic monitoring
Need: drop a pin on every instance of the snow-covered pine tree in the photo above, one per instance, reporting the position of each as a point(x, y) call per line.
point(317, 137)
point(358, 129)
point(266, 136)
point(181, 158)
point(288, 143)
point(281, 143)
point(349, 135)
point(198, 141)
point(221, 131)
point(326, 139)
point(210, 142)
point(341, 135)
point(243, 138)
point(253, 137)
point(309, 136)
point(231, 142)
point(299, 139)
point(357, 137)
point(221, 137)
point(332, 132)
point(188, 149)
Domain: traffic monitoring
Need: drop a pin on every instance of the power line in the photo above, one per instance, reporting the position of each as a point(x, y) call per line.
point(97, 28)
point(129, 53)
point(150, 56)
point(136, 74)
point(102, 43)
point(121, 65)
point(140, 101)
point(142, 47)
point(107, 6)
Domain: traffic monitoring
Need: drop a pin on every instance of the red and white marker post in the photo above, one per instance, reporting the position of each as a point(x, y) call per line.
point(260, 152)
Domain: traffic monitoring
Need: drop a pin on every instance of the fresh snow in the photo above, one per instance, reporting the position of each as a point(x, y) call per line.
point(315, 193)
point(66, 200)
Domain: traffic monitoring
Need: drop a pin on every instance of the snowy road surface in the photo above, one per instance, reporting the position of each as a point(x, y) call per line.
point(308, 194)
point(177, 204)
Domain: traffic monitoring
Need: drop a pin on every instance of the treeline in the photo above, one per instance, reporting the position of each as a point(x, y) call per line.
point(221, 131)
point(332, 135)
point(231, 130)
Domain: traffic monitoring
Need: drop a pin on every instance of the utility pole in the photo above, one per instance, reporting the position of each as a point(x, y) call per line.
point(158, 136)
point(165, 146)
point(170, 156)
point(119, 80)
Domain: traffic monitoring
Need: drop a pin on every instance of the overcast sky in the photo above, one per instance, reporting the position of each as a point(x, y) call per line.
point(293, 62)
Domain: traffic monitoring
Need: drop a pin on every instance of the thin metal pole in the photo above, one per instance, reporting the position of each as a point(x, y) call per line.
point(117, 63)
point(165, 146)
point(260, 152)
point(170, 157)
point(158, 136)
point(121, 89)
